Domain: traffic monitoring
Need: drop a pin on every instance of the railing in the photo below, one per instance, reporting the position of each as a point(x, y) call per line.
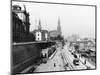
point(23, 43)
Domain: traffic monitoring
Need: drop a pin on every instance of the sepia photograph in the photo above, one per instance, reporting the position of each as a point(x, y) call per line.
point(52, 37)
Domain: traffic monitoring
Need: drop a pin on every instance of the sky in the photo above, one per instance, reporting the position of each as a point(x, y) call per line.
point(74, 19)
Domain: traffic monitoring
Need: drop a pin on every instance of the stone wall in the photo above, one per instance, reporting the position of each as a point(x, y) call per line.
point(25, 55)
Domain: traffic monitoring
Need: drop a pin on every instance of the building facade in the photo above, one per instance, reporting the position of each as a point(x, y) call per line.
point(20, 25)
point(40, 34)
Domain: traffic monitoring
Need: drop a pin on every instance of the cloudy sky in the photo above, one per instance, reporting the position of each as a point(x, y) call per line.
point(74, 19)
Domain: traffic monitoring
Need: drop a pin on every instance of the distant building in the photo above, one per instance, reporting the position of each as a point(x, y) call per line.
point(45, 35)
point(56, 33)
point(40, 34)
point(74, 38)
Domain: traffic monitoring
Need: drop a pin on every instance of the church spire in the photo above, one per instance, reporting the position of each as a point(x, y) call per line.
point(39, 26)
point(24, 7)
point(59, 26)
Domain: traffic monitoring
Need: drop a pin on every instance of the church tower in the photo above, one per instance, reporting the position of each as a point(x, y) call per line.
point(59, 27)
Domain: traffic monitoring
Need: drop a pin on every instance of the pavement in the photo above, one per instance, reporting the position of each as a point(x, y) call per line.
point(88, 64)
point(54, 64)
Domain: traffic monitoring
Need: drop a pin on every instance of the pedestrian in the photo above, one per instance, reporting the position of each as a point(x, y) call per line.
point(54, 64)
point(79, 55)
point(85, 61)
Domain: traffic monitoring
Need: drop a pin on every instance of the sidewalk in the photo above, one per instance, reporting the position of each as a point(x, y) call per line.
point(88, 64)
point(54, 64)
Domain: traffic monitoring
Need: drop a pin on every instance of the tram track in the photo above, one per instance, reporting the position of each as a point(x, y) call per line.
point(67, 63)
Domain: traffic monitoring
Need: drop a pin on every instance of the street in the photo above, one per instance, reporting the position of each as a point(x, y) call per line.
point(61, 60)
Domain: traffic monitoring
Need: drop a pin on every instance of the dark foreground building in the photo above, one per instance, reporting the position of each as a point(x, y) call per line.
point(20, 25)
point(25, 51)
